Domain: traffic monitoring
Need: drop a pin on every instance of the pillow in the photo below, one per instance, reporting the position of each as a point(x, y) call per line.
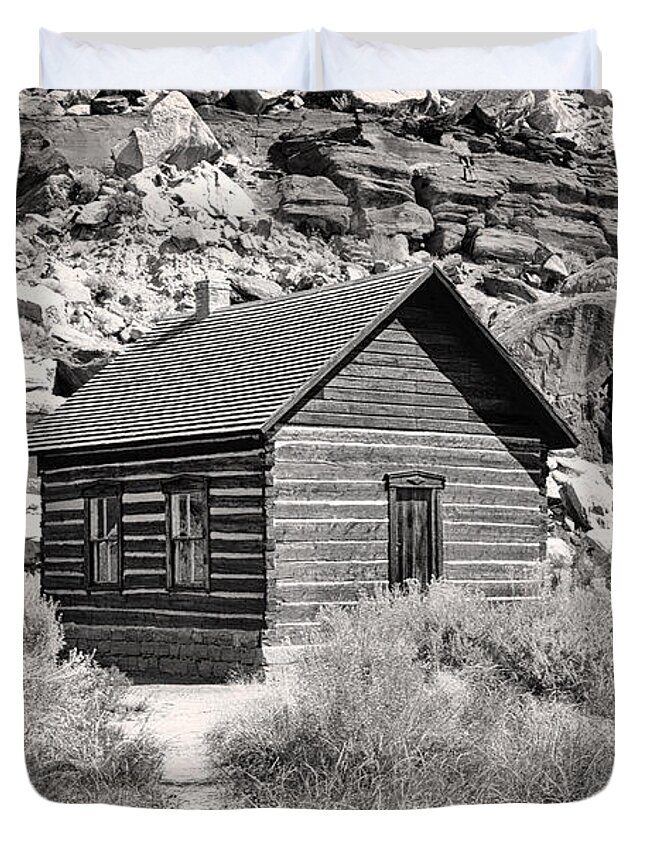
point(566, 62)
point(285, 62)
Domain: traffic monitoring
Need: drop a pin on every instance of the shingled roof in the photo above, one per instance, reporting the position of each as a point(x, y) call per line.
point(240, 369)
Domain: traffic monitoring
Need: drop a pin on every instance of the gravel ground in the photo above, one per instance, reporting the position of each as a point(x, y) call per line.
point(179, 715)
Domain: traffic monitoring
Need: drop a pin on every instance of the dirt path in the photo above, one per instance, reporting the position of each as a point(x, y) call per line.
point(180, 715)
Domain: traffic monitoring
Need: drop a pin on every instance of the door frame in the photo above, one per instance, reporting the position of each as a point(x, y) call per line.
point(434, 484)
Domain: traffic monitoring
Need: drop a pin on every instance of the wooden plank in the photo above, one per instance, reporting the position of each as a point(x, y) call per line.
point(365, 435)
point(330, 591)
point(52, 517)
point(64, 532)
point(329, 509)
point(153, 507)
point(198, 602)
point(247, 523)
point(67, 580)
point(68, 549)
point(249, 564)
point(357, 471)
point(491, 571)
point(387, 422)
point(338, 570)
point(490, 514)
point(413, 455)
point(144, 528)
point(498, 532)
point(374, 489)
point(444, 402)
point(144, 561)
point(347, 550)
point(238, 546)
point(87, 615)
point(336, 530)
point(508, 551)
point(150, 581)
point(146, 546)
point(69, 491)
point(243, 461)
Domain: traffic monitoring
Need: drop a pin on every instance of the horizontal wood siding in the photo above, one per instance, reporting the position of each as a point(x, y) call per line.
point(236, 533)
point(419, 395)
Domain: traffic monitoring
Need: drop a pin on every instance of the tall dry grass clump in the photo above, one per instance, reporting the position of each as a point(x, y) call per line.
point(426, 699)
point(75, 749)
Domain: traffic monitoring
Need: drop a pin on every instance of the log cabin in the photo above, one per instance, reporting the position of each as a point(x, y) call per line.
point(234, 470)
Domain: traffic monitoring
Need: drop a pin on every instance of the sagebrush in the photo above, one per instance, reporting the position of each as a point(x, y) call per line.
point(427, 699)
point(75, 748)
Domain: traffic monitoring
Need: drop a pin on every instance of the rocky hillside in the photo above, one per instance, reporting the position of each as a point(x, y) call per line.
point(126, 199)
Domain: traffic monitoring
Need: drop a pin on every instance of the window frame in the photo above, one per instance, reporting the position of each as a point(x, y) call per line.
point(186, 485)
point(102, 489)
point(433, 483)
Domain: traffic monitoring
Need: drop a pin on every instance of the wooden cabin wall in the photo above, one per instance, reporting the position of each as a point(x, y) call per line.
point(143, 628)
point(419, 395)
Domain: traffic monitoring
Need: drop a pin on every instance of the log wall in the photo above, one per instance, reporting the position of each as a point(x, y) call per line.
point(419, 395)
point(144, 627)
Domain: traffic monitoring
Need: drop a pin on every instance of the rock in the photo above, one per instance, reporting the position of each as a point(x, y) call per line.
point(255, 100)
point(186, 236)
point(565, 345)
point(207, 96)
point(79, 110)
point(447, 238)
point(554, 269)
point(255, 287)
point(559, 233)
point(504, 287)
point(106, 105)
point(508, 246)
point(39, 106)
point(550, 114)
point(40, 374)
point(40, 304)
point(314, 204)
point(389, 247)
point(107, 322)
point(597, 98)
point(407, 218)
point(69, 282)
point(432, 189)
point(95, 213)
point(588, 499)
point(206, 191)
point(493, 109)
point(389, 98)
point(598, 276)
point(173, 133)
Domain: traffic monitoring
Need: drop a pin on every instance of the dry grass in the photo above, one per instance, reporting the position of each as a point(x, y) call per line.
point(75, 749)
point(426, 700)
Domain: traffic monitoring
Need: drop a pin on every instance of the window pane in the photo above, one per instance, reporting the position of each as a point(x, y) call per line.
point(111, 515)
point(200, 561)
point(197, 515)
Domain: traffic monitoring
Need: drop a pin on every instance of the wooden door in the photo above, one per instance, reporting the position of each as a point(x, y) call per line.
point(415, 532)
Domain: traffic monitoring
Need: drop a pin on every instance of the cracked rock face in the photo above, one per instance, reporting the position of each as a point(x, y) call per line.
point(127, 199)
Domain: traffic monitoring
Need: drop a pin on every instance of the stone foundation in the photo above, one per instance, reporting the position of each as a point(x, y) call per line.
point(169, 654)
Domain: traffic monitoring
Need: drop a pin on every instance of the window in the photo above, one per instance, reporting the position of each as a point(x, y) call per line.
point(103, 535)
point(416, 543)
point(187, 523)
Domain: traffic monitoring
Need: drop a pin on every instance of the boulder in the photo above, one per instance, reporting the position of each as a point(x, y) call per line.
point(598, 276)
point(206, 191)
point(559, 233)
point(207, 96)
point(392, 248)
point(186, 236)
point(508, 246)
point(408, 218)
point(447, 238)
point(40, 304)
point(314, 203)
point(588, 497)
point(95, 213)
point(173, 133)
point(37, 104)
point(387, 99)
point(565, 345)
point(551, 115)
point(107, 105)
point(40, 374)
point(256, 287)
point(505, 287)
point(254, 100)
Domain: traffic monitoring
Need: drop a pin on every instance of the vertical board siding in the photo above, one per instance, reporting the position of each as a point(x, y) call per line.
point(236, 539)
point(417, 396)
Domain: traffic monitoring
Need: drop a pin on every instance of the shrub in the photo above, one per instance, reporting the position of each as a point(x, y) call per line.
point(75, 747)
point(412, 700)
